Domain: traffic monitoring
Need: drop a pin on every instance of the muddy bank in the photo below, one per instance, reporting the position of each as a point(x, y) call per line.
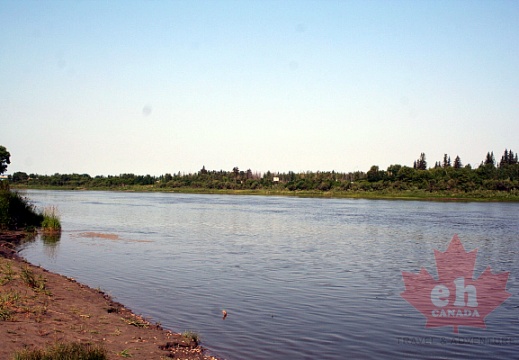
point(39, 308)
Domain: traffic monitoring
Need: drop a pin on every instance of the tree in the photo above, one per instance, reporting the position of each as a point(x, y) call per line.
point(490, 160)
point(374, 174)
point(420, 164)
point(4, 159)
point(508, 158)
point(504, 159)
point(20, 176)
point(446, 161)
point(392, 170)
point(457, 163)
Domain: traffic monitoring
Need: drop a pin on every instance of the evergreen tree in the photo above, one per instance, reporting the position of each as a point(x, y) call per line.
point(457, 163)
point(446, 161)
point(508, 158)
point(504, 159)
point(421, 163)
point(490, 160)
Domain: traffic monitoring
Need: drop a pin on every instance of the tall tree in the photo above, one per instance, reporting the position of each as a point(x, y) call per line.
point(374, 174)
point(490, 160)
point(236, 172)
point(508, 158)
point(446, 161)
point(421, 163)
point(4, 159)
point(504, 159)
point(457, 163)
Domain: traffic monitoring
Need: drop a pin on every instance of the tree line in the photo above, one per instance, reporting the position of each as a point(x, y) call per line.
point(443, 176)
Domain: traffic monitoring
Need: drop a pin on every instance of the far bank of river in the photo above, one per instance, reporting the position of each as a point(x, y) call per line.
point(480, 195)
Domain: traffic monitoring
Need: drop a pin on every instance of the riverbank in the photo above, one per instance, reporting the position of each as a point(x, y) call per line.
point(39, 309)
point(417, 194)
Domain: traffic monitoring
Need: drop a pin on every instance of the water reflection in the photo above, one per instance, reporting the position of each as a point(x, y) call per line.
point(51, 243)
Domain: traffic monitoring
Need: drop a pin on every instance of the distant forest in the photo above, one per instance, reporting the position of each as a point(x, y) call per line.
point(444, 176)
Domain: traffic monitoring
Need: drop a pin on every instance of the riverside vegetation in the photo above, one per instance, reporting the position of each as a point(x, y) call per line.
point(491, 180)
point(17, 213)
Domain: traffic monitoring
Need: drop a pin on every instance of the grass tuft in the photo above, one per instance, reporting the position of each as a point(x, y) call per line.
point(5, 313)
point(191, 336)
point(51, 223)
point(28, 277)
point(125, 353)
point(71, 351)
point(7, 273)
point(7, 302)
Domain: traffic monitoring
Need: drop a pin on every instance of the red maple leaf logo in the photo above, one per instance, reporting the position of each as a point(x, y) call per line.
point(455, 299)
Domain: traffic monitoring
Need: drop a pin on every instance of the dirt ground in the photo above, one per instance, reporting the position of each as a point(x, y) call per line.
point(39, 308)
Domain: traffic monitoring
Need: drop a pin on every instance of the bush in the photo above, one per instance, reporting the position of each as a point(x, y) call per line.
point(16, 211)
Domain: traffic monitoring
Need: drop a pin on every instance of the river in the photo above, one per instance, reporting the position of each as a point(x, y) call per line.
point(300, 278)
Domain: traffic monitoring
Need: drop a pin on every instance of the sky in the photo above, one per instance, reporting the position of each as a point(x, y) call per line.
point(154, 87)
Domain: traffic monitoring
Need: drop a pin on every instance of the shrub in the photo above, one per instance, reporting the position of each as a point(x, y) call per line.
point(16, 211)
point(191, 336)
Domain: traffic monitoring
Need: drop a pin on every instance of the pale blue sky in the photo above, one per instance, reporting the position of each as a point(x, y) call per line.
point(150, 87)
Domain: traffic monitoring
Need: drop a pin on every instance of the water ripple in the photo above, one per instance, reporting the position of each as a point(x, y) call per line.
point(299, 278)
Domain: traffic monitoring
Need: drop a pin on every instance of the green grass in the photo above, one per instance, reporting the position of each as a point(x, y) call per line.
point(59, 351)
point(28, 277)
point(16, 212)
point(411, 194)
point(8, 302)
point(51, 222)
point(5, 313)
point(125, 353)
point(6, 273)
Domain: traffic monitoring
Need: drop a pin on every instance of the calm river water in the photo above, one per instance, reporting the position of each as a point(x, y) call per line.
point(300, 278)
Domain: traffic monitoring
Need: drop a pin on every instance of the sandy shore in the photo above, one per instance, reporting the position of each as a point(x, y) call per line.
point(39, 308)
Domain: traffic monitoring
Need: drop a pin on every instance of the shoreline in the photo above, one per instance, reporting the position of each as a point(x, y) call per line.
point(57, 309)
point(410, 195)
